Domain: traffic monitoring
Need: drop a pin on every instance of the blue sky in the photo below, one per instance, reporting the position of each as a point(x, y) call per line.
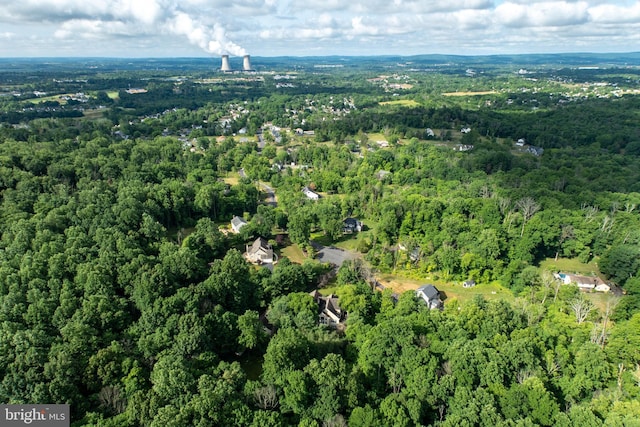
point(187, 28)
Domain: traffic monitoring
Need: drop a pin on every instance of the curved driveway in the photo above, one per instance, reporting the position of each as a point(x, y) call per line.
point(332, 255)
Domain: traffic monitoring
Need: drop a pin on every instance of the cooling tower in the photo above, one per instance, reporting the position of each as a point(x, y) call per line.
point(225, 63)
point(246, 63)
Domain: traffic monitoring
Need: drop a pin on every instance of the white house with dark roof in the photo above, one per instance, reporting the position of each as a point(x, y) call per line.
point(260, 252)
point(430, 295)
point(310, 194)
point(351, 225)
point(330, 312)
point(237, 223)
point(584, 283)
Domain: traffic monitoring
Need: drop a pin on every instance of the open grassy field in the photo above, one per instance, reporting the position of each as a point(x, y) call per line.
point(402, 102)
point(376, 136)
point(450, 290)
point(570, 265)
point(294, 253)
point(348, 243)
point(57, 98)
point(600, 299)
point(232, 179)
point(486, 92)
point(94, 114)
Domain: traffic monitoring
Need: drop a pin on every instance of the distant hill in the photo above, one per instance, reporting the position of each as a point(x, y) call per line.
point(321, 62)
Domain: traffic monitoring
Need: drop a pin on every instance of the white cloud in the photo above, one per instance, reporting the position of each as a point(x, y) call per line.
point(358, 28)
point(614, 14)
point(198, 27)
point(544, 14)
point(472, 19)
point(335, 6)
point(192, 19)
point(89, 29)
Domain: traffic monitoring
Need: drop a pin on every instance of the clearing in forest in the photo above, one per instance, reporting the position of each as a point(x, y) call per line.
point(402, 102)
point(486, 92)
point(448, 290)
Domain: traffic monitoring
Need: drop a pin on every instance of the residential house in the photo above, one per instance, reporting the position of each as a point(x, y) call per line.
point(462, 147)
point(311, 195)
point(415, 254)
point(260, 252)
point(351, 225)
point(237, 223)
point(536, 151)
point(430, 295)
point(329, 311)
point(584, 283)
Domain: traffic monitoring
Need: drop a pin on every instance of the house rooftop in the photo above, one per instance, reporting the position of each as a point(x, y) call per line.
point(236, 220)
point(258, 244)
point(429, 290)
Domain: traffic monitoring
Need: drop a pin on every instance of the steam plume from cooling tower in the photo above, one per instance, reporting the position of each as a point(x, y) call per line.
point(213, 41)
point(196, 22)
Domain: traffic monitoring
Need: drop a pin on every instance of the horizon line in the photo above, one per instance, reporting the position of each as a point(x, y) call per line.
point(217, 56)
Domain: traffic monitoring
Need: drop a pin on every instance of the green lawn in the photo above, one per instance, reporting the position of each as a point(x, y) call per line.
point(490, 291)
point(294, 253)
point(600, 299)
point(403, 102)
point(347, 241)
point(94, 114)
point(376, 137)
point(232, 179)
point(42, 99)
point(348, 244)
point(570, 265)
point(450, 290)
point(332, 289)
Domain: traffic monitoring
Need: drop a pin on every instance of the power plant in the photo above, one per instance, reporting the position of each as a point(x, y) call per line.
point(246, 63)
point(226, 65)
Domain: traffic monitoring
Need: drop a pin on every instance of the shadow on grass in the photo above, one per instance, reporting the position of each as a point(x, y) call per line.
point(327, 241)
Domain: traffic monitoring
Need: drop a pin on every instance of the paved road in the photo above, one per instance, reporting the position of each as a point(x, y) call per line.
point(261, 142)
point(332, 254)
point(271, 194)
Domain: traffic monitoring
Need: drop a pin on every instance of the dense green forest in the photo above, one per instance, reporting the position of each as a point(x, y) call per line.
point(124, 293)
